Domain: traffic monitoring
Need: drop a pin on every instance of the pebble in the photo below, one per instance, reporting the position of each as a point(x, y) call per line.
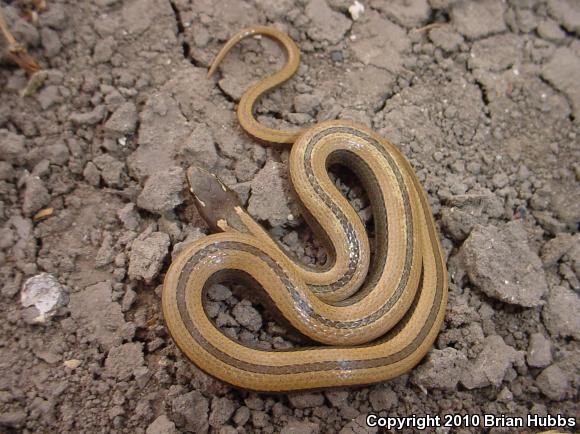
point(358, 426)
point(502, 265)
point(491, 365)
point(36, 195)
point(553, 382)
point(222, 410)
point(560, 314)
point(306, 400)
point(478, 19)
point(325, 23)
point(13, 419)
point(129, 217)
point(304, 103)
point(557, 247)
point(122, 122)
point(539, 353)
point(123, 360)
point(560, 71)
point(442, 370)
point(567, 13)
point(190, 411)
point(241, 416)
point(247, 316)
point(163, 191)
point(89, 118)
point(147, 255)
point(269, 197)
point(161, 425)
point(382, 398)
point(300, 428)
point(445, 38)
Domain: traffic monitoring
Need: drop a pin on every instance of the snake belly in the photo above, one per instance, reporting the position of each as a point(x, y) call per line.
point(376, 332)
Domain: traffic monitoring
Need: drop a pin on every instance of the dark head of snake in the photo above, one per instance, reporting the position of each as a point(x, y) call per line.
point(215, 202)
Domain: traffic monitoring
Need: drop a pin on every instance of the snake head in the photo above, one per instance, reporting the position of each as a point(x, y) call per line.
point(215, 202)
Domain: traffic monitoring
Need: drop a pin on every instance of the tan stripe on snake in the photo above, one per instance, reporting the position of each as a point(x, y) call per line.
point(374, 317)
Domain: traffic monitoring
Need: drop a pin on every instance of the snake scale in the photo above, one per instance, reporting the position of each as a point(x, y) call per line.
point(371, 317)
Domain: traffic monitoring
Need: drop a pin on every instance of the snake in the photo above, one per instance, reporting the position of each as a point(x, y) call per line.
point(369, 314)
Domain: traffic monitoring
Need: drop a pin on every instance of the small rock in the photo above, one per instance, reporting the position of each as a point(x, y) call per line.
point(358, 426)
point(123, 121)
point(111, 170)
point(260, 419)
point(242, 416)
point(337, 397)
point(502, 265)
point(491, 365)
point(247, 316)
point(13, 419)
point(464, 211)
point(383, 399)
point(305, 103)
point(147, 256)
point(104, 49)
point(123, 360)
point(567, 13)
point(550, 31)
point(218, 292)
point(12, 147)
point(92, 174)
point(325, 23)
point(89, 118)
point(199, 148)
point(505, 395)
point(72, 363)
point(442, 370)
point(411, 14)
point(129, 216)
point(445, 38)
point(190, 411)
point(355, 10)
point(36, 196)
point(306, 400)
point(478, 19)
point(560, 71)
point(106, 253)
point(194, 235)
point(161, 425)
point(269, 199)
point(163, 191)
point(560, 314)
point(539, 353)
point(50, 42)
point(553, 382)
point(222, 410)
point(380, 43)
point(57, 154)
point(45, 293)
point(128, 299)
point(300, 428)
point(48, 96)
point(557, 247)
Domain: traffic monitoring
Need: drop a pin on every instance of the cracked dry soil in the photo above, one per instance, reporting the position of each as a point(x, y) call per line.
point(482, 97)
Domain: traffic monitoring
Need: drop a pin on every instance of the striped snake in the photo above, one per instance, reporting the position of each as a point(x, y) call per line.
point(372, 317)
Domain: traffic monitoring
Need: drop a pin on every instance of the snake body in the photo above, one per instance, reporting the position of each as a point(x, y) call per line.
point(374, 317)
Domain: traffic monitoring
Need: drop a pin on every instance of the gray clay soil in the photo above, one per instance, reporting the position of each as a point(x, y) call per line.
point(482, 97)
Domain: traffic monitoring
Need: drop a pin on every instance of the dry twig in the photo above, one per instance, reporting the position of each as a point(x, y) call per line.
point(15, 51)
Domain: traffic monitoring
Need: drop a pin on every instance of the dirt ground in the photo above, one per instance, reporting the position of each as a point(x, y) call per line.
point(482, 97)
